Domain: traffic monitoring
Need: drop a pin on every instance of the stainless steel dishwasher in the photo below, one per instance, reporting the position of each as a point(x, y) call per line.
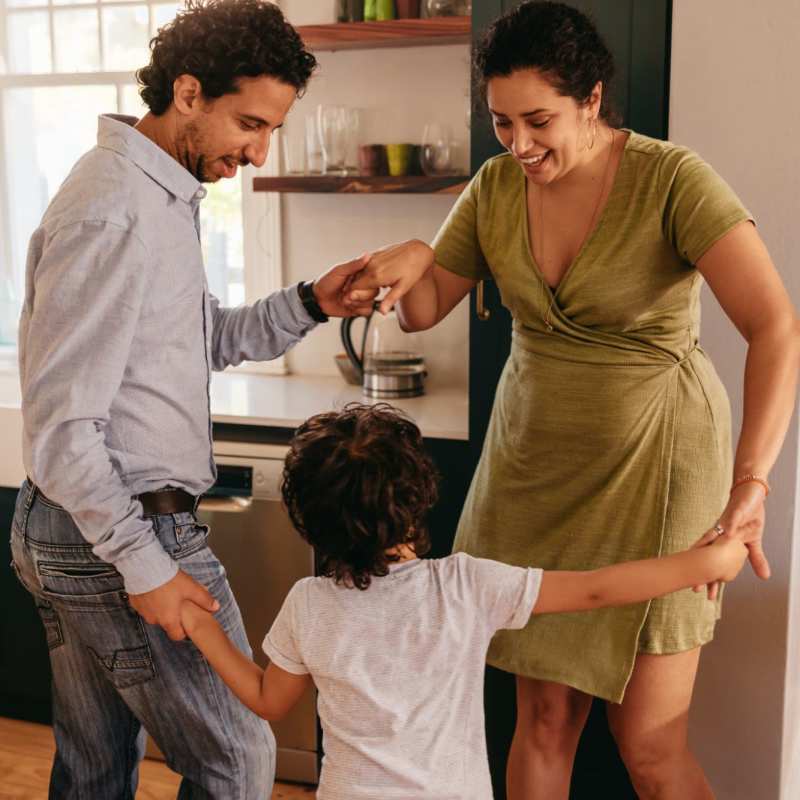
point(264, 557)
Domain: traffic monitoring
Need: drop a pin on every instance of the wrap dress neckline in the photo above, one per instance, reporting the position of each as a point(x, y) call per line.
point(553, 291)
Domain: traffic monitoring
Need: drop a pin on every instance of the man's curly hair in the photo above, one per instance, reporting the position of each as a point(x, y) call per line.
point(557, 40)
point(357, 483)
point(218, 41)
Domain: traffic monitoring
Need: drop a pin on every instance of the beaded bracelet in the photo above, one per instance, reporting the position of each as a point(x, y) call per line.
point(751, 479)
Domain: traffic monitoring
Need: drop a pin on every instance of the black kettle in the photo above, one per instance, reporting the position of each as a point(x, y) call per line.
point(356, 360)
point(391, 364)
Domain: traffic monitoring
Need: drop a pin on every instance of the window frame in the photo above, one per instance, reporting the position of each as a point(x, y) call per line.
point(260, 212)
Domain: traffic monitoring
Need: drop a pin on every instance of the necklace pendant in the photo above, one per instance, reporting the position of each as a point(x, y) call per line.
point(548, 326)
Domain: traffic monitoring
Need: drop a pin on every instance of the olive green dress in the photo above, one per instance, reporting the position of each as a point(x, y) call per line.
point(610, 438)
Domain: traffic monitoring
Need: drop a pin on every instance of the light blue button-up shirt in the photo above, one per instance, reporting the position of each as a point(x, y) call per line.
point(118, 337)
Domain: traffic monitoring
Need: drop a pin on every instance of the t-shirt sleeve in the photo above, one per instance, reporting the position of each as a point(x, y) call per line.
point(700, 208)
point(281, 643)
point(506, 594)
point(456, 246)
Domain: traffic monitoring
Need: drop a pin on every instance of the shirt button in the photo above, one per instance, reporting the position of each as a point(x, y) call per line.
point(200, 193)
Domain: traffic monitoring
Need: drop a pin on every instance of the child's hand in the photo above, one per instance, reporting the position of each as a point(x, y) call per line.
point(193, 616)
point(730, 555)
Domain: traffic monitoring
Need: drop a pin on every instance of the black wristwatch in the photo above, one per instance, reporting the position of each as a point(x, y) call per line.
point(306, 291)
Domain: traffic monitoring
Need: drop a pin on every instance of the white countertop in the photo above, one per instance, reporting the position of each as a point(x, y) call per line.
point(287, 400)
point(282, 401)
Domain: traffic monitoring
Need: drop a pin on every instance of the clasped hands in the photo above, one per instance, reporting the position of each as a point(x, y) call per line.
point(350, 289)
point(742, 519)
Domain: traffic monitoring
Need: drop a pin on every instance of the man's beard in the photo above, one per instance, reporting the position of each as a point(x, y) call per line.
point(194, 162)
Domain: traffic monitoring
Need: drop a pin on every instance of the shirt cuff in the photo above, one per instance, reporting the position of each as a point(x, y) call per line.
point(277, 658)
point(146, 568)
point(297, 309)
point(530, 594)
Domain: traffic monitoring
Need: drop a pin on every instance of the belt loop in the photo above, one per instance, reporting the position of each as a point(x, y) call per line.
point(26, 508)
point(31, 495)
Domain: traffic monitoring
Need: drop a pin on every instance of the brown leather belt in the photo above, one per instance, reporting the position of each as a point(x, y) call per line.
point(163, 501)
point(166, 501)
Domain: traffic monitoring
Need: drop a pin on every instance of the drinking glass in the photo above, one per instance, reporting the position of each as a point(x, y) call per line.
point(333, 130)
point(313, 146)
point(442, 8)
point(353, 139)
point(293, 148)
point(435, 153)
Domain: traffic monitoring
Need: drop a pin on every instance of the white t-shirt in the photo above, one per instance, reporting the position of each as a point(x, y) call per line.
point(399, 670)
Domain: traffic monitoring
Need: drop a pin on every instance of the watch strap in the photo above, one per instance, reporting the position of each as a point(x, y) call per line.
point(305, 289)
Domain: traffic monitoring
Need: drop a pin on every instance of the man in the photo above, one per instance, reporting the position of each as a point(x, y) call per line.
point(117, 340)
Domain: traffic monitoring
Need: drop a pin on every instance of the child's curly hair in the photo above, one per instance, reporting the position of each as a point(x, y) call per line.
point(356, 483)
point(218, 41)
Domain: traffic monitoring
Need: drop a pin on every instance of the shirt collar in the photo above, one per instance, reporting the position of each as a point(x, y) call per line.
point(116, 132)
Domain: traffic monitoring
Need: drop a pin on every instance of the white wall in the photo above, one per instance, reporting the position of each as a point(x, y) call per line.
point(399, 90)
point(735, 66)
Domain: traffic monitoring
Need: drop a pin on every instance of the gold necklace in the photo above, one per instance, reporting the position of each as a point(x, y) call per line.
point(546, 316)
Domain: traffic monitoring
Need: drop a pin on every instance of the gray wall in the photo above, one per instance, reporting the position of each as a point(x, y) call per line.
point(733, 99)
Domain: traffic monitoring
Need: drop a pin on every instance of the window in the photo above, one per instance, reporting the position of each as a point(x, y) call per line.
point(63, 62)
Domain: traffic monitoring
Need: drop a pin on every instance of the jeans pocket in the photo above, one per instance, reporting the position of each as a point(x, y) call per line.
point(111, 631)
point(87, 596)
point(79, 579)
point(191, 538)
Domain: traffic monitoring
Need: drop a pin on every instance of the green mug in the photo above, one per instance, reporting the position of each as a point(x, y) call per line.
point(399, 158)
point(384, 9)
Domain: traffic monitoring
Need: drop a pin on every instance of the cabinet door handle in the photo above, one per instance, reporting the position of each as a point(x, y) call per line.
point(229, 505)
point(480, 304)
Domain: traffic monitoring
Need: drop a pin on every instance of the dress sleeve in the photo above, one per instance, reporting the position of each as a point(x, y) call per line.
point(281, 643)
point(506, 594)
point(700, 206)
point(456, 246)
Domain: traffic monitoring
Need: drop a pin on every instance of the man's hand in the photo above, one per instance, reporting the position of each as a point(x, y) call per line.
point(330, 289)
point(162, 606)
point(398, 266)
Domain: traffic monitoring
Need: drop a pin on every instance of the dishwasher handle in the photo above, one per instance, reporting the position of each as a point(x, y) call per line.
point(225, 505)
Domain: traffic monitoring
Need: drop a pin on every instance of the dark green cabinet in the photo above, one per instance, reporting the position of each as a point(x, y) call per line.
point(638, 32)
point(24, 664)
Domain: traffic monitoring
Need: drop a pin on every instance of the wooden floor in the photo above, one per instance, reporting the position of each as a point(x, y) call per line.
point(26, 752)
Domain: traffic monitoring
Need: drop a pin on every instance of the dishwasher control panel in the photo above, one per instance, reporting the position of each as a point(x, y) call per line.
point(256, 478)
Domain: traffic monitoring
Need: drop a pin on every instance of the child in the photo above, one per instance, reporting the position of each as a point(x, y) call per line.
point(396, 645)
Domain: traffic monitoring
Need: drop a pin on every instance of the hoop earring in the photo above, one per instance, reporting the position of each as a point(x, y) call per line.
point(594, 133)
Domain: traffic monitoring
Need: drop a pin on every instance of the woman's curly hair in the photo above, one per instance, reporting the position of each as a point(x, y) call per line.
point(557, 40)
point(356, 483)
point(218, 41)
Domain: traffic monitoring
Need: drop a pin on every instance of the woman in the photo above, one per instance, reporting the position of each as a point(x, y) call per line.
point(610, 433)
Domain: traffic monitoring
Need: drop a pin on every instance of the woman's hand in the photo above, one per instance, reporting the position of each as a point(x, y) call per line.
point(743, 519)
point(730, 554)
point(398, 267)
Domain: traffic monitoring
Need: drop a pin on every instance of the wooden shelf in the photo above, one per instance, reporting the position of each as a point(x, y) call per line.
point(362, 184)
point(390, 33)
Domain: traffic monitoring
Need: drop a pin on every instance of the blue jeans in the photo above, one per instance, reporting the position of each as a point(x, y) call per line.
point(115, 676)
